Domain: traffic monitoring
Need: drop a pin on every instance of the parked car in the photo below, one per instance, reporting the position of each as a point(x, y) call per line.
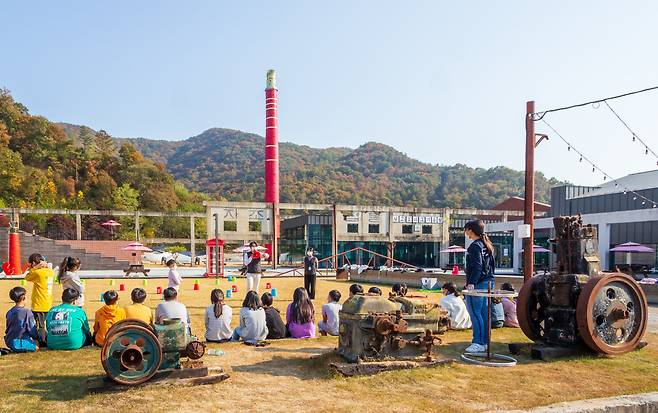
point(156, 256)
point(161, 257)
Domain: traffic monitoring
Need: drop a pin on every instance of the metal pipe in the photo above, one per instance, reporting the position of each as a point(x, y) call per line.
point(529, 210)
point(271, 140)
point(216, 252)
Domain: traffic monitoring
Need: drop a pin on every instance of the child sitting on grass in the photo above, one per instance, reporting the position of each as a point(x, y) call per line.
point(375, 291)
point(329, 323)
point(355, 289)
point(275, 326)
point(69, 278)
point(21, 332)
point(253, 327)
point(107, 316)
point(218, 318)
point(68, 328)
point(137, 310)
point(43, 278)
point(300, 315)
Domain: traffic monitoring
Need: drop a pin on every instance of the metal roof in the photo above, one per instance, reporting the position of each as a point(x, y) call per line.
point(635, 182)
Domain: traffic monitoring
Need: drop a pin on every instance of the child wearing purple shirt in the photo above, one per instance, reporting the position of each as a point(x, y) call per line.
point(300, 315)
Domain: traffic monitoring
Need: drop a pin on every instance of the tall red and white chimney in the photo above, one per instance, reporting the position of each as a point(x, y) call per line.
point(271, 139)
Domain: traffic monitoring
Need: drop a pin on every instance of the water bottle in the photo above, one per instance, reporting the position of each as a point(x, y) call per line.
point(214, 352)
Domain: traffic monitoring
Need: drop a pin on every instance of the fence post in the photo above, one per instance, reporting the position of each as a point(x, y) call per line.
point(192, 243)
point(78, 227)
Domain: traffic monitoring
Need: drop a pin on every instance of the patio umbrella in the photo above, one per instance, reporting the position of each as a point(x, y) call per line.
point(538, 248)
point(246, 248)
point(454, 248)
point(111, 223)
point(136, 248)
point(630, 247)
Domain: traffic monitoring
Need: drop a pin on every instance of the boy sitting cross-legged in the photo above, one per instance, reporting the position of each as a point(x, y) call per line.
point(21, 333)
point(107, 316)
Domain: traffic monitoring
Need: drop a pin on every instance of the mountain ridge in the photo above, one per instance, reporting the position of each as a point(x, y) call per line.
point(228, 163)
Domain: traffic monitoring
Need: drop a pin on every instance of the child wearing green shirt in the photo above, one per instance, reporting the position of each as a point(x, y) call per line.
point(67, 324)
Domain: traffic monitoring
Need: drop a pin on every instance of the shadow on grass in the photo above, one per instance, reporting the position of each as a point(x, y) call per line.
point(303, 368)
point(55, 387)
point(309, 350)
point(456, 349)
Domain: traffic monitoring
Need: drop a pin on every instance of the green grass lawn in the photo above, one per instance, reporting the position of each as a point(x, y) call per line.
point(292, 375)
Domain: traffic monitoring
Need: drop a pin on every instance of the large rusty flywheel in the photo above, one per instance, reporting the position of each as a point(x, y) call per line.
point(611, 313)
point(530, 310)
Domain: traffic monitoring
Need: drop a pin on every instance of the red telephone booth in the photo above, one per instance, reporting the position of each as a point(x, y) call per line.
point(212, 247)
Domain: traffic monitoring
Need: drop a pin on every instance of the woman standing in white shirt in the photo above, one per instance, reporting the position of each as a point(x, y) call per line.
point(456, 307)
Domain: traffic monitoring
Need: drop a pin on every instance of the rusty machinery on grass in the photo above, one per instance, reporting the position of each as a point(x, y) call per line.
point(135, 351)
point(578, 303)
point(374, 328)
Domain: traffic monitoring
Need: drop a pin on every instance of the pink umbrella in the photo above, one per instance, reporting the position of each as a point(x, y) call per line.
point(454, 248)
point(246, 248)
point(111, 223)
point(137, 248)
point(538, 248)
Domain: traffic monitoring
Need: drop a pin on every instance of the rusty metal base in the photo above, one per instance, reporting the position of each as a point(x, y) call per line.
point(374, 367)
point(545, 352)
point(179, 377)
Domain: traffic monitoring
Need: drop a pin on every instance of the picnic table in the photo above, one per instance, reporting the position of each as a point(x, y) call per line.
point(136, 268)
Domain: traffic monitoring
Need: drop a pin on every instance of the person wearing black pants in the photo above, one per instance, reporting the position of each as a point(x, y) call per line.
point(310, 273)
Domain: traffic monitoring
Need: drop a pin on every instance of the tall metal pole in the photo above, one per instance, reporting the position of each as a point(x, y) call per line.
point(271, 140)
point(529, 210)
point(275, 235)
point(334, 236)
point(216, 251)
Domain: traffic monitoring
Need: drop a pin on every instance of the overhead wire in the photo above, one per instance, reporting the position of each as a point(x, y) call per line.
point(595, 168)
point(537, 116)
point(635, 136)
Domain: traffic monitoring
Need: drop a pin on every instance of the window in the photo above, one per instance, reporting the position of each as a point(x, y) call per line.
point(255, 226)
point(230, 225)
point(353, 228)
point(373, 229)
point(407, 229)
point(427, 229)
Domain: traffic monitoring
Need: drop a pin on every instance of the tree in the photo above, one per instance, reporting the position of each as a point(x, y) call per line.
point(125, 198)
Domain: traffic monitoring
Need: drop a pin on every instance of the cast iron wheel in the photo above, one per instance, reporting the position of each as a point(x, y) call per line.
point(126, 322)
point(131, 355)
point(530, 311)
point(611, 313)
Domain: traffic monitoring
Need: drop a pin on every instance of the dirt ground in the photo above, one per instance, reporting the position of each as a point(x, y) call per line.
point(292, 375)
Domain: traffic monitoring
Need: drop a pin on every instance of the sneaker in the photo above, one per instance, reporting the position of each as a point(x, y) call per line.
point(475, 348)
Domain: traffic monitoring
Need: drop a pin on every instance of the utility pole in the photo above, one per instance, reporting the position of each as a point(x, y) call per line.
point(529, 210)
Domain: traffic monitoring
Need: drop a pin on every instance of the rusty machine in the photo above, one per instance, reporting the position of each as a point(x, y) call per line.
point(135, 352)
point(374, 328)
point(578, 303)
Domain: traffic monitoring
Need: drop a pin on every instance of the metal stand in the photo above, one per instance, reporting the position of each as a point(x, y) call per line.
point(487, 358)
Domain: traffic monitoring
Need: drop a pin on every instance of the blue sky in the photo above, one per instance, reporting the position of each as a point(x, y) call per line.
point(444, 82)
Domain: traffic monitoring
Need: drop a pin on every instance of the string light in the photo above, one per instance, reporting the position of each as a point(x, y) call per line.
point(635, 135)
point(595, 168)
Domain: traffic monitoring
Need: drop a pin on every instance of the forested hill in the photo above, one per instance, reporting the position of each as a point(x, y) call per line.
point(229, 163)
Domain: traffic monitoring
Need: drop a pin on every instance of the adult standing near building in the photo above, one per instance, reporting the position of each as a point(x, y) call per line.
point(310, 272)
point(479, 276)
point(254, 269)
